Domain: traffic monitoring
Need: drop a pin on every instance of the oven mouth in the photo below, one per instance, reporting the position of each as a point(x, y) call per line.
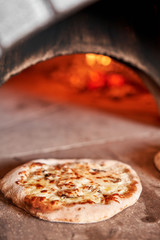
point(91, 80)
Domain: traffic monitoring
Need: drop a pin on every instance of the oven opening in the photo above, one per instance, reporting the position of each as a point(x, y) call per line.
point(74, 100)
point(90, 80)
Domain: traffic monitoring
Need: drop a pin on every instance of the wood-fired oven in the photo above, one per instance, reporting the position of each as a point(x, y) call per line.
point(81, 79)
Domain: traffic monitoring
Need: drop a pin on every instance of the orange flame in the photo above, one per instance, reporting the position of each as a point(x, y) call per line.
point(92, 59)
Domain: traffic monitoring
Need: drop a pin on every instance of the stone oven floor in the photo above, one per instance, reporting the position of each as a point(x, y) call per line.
point(33, 127)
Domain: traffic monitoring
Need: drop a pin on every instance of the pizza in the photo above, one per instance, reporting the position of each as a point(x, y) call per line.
point(77, 191)
point(157, 160)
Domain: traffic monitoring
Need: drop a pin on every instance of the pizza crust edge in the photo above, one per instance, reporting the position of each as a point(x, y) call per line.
point(157, 161)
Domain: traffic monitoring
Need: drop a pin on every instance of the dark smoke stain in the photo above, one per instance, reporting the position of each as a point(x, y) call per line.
point(148, 219)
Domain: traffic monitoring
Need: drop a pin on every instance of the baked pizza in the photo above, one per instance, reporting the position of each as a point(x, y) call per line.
point(77, 191)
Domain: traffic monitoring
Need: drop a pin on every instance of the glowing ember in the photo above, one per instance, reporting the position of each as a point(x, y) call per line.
point(115, 80)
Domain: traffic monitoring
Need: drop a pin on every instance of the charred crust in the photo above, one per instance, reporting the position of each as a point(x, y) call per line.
point(58, 166)
point(40, 204)
point(131, 189)
point(36, 164)
point(49, 175)
point(116, 180)
point(44, 191)
point(126, 170)
point(38, 172)
point(51, 181)
point(112, 197)
point(22, 172)
point(88, 201)
point(39, 185)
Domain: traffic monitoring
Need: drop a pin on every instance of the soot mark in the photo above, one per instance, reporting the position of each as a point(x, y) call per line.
point(149, 219)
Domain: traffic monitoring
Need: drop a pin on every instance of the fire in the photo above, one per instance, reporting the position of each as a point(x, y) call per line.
point(99, 78)
point(90, 74)
point(105, 61)
point(92, 59)
point(115, 80)
point(77, 82)
point(96, 80)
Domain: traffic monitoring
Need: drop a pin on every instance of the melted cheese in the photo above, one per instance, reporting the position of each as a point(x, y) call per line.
point(76, 182)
